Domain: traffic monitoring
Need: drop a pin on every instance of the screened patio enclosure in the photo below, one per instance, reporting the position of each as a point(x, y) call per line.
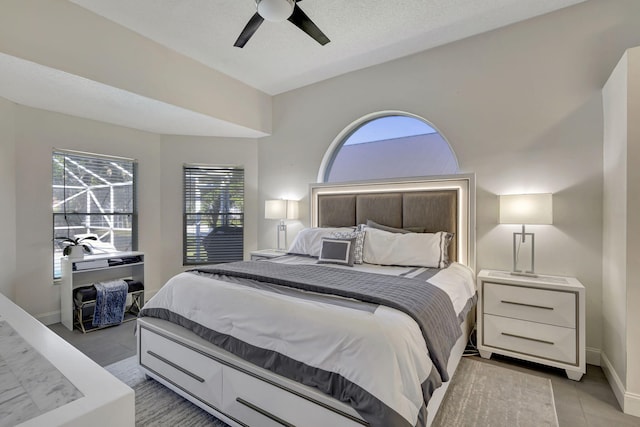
point(93, 195)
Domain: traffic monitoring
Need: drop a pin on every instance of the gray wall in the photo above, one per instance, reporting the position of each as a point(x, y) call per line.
point(615, 218)
point(7, 198)
point(633, 230)
point(521, 107)
point(621, 232)
point(178, 150)
point(38, 132)
point(28, 138)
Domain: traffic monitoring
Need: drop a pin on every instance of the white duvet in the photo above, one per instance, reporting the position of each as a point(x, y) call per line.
point(382, 351)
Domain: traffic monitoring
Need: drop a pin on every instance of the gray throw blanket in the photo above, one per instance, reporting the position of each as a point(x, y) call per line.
point(111, 300)
point(428, 305)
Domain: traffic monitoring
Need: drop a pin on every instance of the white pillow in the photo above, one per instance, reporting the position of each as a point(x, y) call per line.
point(411, 249)
point(309, 240)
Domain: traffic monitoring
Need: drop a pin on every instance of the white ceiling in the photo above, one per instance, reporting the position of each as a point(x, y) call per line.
point(280, 57)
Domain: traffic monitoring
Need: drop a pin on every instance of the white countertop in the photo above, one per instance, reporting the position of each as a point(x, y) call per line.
point(80, 392)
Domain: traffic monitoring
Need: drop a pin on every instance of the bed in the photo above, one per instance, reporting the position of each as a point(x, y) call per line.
point(336, 332)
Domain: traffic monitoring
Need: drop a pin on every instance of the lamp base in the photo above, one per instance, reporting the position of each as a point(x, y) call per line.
point(281, 231)
point(519, 240)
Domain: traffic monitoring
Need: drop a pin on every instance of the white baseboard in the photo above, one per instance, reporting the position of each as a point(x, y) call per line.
point(49, 318)
point(593, 356)
point(614, 380)
point(629, 402)
point(632, 404)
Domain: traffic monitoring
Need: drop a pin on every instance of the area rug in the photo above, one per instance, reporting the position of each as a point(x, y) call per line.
point(156, 405)
point(481, 394)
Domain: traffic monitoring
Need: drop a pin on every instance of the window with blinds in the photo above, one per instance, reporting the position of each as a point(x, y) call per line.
point(213, 214)
point(93, 195)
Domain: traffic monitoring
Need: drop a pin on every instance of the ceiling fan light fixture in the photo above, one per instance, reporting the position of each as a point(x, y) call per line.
point(275, 10)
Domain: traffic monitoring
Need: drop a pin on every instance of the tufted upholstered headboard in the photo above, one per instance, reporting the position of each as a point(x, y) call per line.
point(434, 204)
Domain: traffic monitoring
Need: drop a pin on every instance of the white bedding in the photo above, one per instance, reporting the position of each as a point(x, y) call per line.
point(313, 331)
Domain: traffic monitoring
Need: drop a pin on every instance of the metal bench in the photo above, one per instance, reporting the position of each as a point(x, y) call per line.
point(84, 299)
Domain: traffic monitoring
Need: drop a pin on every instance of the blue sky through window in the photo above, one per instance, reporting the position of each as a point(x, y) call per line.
point(389, 127)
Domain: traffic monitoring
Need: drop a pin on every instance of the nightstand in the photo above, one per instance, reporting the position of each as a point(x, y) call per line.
point(539, 319)
point(266, 254)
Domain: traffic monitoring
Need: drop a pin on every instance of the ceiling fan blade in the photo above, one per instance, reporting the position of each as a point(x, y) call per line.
point(302, 21)
point(249, 29)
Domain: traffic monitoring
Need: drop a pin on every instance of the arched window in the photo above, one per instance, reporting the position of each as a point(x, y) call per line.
point(387, 145)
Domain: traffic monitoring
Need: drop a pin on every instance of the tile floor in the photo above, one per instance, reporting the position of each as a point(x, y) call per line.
point(588, 403)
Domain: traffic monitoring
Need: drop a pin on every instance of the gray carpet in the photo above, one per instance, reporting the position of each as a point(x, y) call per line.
point(480, 394)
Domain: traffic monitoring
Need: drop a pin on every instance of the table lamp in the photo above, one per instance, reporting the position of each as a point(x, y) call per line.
point(281, 210)
point(525, 209)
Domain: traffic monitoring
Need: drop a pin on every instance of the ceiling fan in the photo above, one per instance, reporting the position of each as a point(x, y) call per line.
point(278, 11)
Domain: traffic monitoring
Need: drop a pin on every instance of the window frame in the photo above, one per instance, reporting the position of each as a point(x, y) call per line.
point(339, 141)
point(238, 173)
point(133, 213)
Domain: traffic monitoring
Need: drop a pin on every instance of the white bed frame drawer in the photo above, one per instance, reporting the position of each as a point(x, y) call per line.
point(536, 305)
point(247, 397)
point(546, 341)
point(189, 370)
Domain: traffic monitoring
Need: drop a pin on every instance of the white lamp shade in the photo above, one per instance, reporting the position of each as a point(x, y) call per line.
point(275, 10)
point(526, 209)
point(292, 209)
point(281, 209)
point(275, 209)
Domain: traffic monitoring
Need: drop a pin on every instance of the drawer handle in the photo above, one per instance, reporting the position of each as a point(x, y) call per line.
point(527, 338)
point(173, 365)
point(526, 305)
point(263, 412)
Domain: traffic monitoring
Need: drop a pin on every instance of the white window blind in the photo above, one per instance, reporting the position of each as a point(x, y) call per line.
point(93, 194)
point(213, 214)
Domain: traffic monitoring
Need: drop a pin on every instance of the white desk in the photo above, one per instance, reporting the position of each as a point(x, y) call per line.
point(99, 399)
point(75, 274)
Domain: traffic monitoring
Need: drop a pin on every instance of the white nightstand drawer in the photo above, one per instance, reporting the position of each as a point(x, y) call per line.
point(536, 339)
point(537, 305)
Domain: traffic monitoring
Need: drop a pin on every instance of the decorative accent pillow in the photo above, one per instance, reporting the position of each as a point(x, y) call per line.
point(337, 251)
point(445, 255)
point(374, 224)
point(359, 245)
point(410, 249)
point(309, 240)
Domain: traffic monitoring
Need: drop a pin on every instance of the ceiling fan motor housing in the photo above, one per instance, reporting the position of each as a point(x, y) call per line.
point(275, 10)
